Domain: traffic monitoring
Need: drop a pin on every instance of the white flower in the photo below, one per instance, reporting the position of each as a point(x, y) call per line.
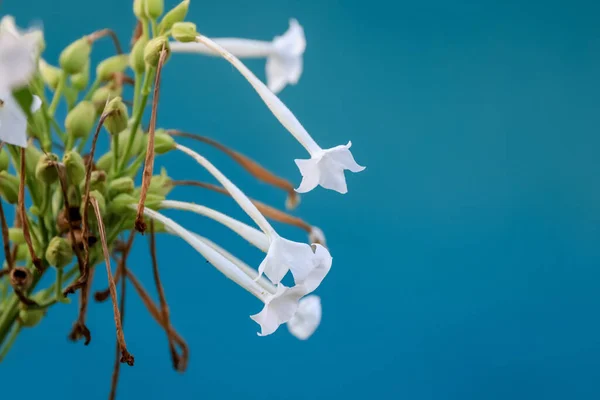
point(282, 255)
point(280, 305)
point(325, 166)
point(284, 54)
point(18, 52)
point(307, 318)
point(13, 122)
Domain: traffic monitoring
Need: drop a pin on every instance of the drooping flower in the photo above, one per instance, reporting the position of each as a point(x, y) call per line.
point(284, 54)
point(13, 122)
point(307, 318)
point(279, 307)
point(325, 166)
point(282, 254)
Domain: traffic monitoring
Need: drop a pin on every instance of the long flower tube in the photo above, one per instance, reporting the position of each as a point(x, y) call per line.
point(325, 166)
point(279, 307)
point(284, 54)
point(283, 254)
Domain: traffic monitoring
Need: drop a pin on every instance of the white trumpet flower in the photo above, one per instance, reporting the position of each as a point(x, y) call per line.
point(325, 166)
point(282, 254)
point(284, 54)
point(279, 307)
point(307, 318)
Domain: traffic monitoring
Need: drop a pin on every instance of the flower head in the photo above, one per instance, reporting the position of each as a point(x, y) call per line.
point(18, 52)
point(279, 308)
point(307, 318)
point(13, 122)
point(285, 64)
point(326, 168)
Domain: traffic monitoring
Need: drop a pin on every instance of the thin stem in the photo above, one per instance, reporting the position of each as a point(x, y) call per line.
point(58, 288)
point(117, 365)
point(125, 355)
point(137, 86)
point(11, 339)
point(24, 220)
point(115, 140)
point(149, 163)
point(103, 33)
point(62, 80)
point(95, 85)
point(5, 239)
point(102, 295)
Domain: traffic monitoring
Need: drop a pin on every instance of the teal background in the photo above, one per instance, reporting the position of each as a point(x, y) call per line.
point(466, 254)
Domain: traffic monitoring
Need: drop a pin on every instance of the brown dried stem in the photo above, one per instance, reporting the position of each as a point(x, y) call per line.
point(5, 239)
point(80, 329)
point(21, 205)
point(102, 295)
point(103, 33)
point(117, 365)
point(253, 167)
point(164, 308)
point(125, 355)
point(63, 186)
point(140, 225)
point(79, 283)
point(181, 360)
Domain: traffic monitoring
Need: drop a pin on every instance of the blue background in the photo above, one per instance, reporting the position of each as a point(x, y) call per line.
point(465, 256)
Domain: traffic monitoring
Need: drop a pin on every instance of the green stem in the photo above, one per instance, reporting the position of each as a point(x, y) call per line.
point(139, 113)
point(58, 296)
point(93, 88)
point(115, 140)
point(154, 28)
point(59, 131)
point(14, 333)
point(134, 167)
point(57, 94)
point(137, 86)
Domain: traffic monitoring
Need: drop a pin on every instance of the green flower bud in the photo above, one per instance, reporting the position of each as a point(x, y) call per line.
point(4, 159)
point(105, 162)
point(74, 57)
point(74, 196)
point(59, 252)
point(80, 120)
point(107, 68)
point(153, 201)
point(80, 80)
point(50, 74)
point(163, 142)
point(16, 235)
point(176, 14)
point(136, 58)
point(101, 203)
point(119, 204)
point(75, 167)
point(120, 185)
point(139, 142)
point(45, 170)
point(102, 95)
point(139, 9)
point(9, 187)
point(31, 317)
point(97, 182)
point(153, 49)
point(32, 156)
point(23, 253)
point(184, 32)
point(117, 116)
point(154, 8)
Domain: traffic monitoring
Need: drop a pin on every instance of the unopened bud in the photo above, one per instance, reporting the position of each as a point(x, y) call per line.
point(154, 48)
point(154, 8)
point(120, 185)
point(105, 93)
point(45, 170)
point(136, 58)
point(139, 9)
point(74, 166)
point(163, 142)
point(107, 68)
point(80, 120)
point(139, 142)
point(74, 57)
point(20, 278)
point(59, 252)
point(16, 235)
point(176, 14)
point(116, 116)
point(97, 182)
point(23, 253)
point(94, 194)
point(50, 74)
point(105, 162)
point(153, 201)
point(31, 317)
point(184, 32)
point(74, 197)
point(9, 187)
point(120, 203)
point(32, 156)
point(80, 80)
point(160, 184)
point(4, 159)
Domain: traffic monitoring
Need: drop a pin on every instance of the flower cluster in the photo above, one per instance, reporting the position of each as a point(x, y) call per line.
point(80, 204)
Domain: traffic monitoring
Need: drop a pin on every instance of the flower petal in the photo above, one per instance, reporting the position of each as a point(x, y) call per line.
point(307, 319)
point(279, 309)
point(322, 262)
point(13, 122)
point(285, 255)
point(310, 174)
